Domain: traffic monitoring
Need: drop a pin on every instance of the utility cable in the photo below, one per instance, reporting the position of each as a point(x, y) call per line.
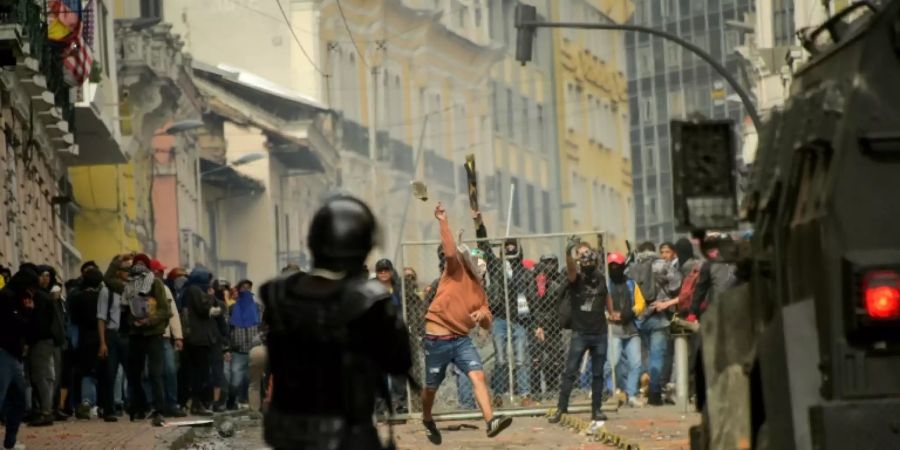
point(287, 21)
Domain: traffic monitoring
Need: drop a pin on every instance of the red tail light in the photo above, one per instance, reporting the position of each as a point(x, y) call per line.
point(881, 290)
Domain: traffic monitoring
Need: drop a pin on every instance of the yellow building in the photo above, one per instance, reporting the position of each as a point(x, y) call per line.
point(592, 120)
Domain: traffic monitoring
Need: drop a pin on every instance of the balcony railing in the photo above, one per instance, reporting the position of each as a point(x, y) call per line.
point(33, 20)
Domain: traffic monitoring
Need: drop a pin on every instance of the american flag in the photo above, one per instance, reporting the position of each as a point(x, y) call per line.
point(77, 61)
point(87, 24)
point(69, 15)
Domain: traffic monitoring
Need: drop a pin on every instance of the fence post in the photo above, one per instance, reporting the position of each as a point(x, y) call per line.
point(510, 355)
point(681, 371)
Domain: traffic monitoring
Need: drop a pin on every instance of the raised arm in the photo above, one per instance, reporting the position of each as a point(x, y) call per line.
point(571, 267)
point(446, 235)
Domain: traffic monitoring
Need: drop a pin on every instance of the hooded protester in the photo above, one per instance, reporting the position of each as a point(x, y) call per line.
point(244, 317)
point(48, 335)
point(148, 316)
point(83, 308)
point(202, 337)
point(509, 280)
point(112, 327)
point(16, 323)
point(626, 304)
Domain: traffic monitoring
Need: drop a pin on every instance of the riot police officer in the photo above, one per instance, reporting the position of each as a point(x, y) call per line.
point(333, 337)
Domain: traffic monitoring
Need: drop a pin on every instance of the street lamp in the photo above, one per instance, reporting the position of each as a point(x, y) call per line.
point(246, 159)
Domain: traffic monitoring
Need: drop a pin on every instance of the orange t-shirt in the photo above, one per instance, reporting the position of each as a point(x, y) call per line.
point(459, 294)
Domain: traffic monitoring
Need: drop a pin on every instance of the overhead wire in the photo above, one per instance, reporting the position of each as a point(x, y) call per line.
point(287, 21)
point(362, 56)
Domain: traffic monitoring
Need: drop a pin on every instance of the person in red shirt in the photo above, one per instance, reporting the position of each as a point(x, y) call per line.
point(459, 305)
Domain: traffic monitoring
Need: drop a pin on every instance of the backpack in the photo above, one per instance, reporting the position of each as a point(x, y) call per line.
point(686, 295)
point(642, 273)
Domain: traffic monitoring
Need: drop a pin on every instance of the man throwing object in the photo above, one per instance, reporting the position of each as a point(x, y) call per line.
point(459, 305)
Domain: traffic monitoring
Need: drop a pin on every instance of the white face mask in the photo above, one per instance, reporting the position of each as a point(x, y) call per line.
point(482, 267)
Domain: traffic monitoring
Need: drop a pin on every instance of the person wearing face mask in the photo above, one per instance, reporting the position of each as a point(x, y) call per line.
point(459, 305)
point(589, 300)
point(626, 304)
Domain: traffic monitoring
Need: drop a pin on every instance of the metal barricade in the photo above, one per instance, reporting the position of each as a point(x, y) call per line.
point(525, 351)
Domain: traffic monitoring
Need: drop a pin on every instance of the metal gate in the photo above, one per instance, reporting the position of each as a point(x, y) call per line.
point(525, 352)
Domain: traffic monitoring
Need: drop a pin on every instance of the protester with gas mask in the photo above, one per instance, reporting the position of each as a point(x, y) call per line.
point(588, 302)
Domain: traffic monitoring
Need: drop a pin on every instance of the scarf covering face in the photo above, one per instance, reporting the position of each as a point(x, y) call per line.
point(244, 313)
point(137, 289)
point(474, 264)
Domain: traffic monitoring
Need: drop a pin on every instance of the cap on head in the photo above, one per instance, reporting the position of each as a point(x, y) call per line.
point(615, 258)
point(142, 259)
point(342, 233)
point(157, 266)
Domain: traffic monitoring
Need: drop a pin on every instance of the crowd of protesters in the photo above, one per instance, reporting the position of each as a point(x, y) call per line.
point(150, 343)
point(135, 340)
point(622, 313)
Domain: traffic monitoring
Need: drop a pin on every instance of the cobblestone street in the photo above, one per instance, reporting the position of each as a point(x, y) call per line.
point(663, 428)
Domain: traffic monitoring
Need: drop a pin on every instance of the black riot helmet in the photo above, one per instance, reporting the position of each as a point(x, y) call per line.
point(341, 234)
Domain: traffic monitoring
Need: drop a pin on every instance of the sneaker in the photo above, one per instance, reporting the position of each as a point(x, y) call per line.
point(598, 416)
point(655, 399)
point(527, 401)
point(595, 425)
point(110, 418)
point(157, 420)
point(84, 411)
point(434, 435)
point(635, 402)
point(218, 408)
point(496, 425)
point(556, 417)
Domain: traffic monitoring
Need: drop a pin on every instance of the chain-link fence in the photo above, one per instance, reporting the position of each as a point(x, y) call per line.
point(525, 351)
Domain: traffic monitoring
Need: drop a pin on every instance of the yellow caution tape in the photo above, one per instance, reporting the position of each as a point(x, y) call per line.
point(599, 435)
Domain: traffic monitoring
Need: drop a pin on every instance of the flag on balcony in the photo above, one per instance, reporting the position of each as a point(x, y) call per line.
point(63, 20)
point(77, 61)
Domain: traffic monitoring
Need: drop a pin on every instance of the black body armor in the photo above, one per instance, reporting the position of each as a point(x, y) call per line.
point(331, 344)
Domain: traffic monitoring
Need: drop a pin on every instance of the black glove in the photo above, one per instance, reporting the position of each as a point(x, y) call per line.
point(574, 241)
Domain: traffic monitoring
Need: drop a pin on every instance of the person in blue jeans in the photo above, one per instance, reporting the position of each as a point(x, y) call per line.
point(459, 306)
point(654, 328)
point(516, 284)
point(243, 320)
point(588, 301)
point(16, 322)
point(627, 303)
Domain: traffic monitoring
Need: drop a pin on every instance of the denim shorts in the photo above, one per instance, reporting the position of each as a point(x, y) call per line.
point(439, 353)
